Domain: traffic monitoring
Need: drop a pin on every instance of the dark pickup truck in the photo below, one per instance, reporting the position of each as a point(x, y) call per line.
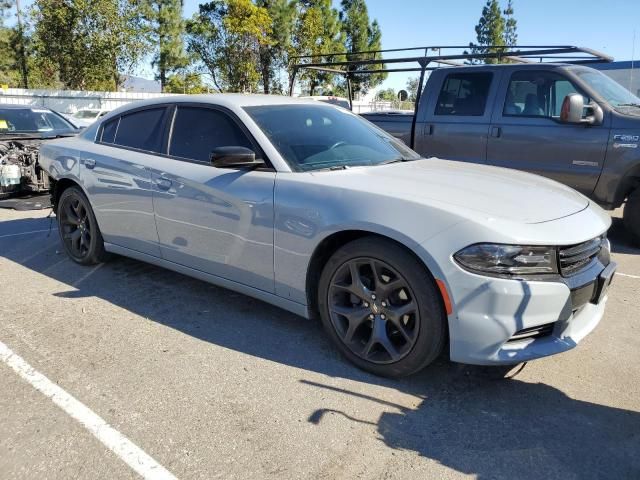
point(564, 121)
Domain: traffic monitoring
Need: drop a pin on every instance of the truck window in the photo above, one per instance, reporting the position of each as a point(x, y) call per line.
point(537, 94)
point(464, 94)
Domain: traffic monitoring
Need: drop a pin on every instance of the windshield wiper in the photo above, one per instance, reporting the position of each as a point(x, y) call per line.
point(629, 105)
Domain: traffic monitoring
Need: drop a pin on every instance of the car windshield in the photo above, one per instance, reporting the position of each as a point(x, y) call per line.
point(86, 114)
point(313, 137)
point(610, 90)
point(28, 120)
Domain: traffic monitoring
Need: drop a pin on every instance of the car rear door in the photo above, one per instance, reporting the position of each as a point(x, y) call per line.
point(115, 172)
point(215, 220)
point(526, 134)
point(454, 124)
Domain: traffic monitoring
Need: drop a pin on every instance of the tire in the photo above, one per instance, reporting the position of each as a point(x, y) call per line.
point(393, 326)
point(631, 216)
point(78, 229)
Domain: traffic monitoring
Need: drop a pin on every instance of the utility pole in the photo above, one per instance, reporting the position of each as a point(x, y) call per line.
point(23, 59)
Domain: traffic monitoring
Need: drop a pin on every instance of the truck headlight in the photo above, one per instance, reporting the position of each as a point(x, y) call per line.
point(495, 259)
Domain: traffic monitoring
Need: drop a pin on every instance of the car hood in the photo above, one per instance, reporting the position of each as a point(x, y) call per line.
point(494, 192)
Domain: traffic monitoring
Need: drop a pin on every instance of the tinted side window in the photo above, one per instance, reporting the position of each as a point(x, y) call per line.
point(109, 131)
point(537, 94)
point(142, 130)
point(197, 131)
point(464, 94)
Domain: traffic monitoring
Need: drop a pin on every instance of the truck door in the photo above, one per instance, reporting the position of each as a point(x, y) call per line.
point(526, 133)
point(454, 120)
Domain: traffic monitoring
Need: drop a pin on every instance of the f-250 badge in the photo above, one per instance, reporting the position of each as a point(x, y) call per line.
point(625, 138)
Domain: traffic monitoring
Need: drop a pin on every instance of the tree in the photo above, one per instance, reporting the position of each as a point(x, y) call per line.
point(8, 61)
point(274, 55)
point(361, 36)
point(84, 44)
point(510, 26)
point(412, 88)
point(185, 82)
point(388, 94)
point(166, 27)
point(317, 32)
point(227, 35)
point(494, 30)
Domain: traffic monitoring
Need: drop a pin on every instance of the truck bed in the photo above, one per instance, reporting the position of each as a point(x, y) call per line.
point(397, 122)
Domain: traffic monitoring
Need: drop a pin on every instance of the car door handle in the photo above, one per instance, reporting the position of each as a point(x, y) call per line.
point(496, 132)
point(428, 130)
point(90, 163)
point(163, 183)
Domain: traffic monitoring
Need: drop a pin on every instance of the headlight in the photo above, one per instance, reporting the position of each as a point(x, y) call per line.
point(508, 259)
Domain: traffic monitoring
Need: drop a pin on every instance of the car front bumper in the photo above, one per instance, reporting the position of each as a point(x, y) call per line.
point(500, 321)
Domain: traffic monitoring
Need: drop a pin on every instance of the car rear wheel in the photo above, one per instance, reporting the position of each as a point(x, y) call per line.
point(78, 228)
point(381, 307)
point(632, 216)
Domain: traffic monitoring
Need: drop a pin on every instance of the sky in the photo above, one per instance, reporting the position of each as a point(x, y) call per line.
point(604, 25)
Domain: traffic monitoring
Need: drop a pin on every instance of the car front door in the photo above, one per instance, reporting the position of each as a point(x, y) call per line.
point(455, 123)
point(215, 220)
point(115, 172)
point(526, 133)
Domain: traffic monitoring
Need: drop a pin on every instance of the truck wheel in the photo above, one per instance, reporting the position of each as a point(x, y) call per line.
point(382, 308)
point(632, 216)
point(78, 228)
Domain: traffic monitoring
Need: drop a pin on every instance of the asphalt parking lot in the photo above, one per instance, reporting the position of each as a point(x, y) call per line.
point(213, 384)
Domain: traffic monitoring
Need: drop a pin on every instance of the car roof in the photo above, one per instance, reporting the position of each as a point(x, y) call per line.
point(15, 106)
point(229, 100)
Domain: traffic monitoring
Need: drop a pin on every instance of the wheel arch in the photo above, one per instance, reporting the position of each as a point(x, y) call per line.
point(331, 243)
point(60, 186)
point(628, 183)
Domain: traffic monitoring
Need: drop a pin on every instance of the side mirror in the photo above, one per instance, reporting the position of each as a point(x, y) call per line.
point(230, 157)
point(573, 109)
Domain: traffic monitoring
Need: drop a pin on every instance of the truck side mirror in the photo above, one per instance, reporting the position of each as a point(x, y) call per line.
point(573, 109)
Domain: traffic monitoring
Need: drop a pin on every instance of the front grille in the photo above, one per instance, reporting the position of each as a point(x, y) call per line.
point(533, 332)
point(576, 257)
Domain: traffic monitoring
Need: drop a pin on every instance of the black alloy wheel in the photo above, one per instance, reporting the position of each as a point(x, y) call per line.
point(78, 228)
point(373, 310)
point(381, 307)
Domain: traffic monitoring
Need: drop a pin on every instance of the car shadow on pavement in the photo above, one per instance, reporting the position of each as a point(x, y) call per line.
point(477, 422)
point(469, 418)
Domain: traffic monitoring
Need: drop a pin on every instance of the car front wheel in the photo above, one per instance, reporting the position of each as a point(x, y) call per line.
point(381, 307)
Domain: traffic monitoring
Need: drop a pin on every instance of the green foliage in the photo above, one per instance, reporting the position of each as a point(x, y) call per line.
point(496, 28)
point(317, 32)
point(412, 88)
point(83, 44)
point(164, 24)
point(510, 26)
point(361, 36)
point(188, 82)
point(274, 55)
point(388, 94)
point(227, 35)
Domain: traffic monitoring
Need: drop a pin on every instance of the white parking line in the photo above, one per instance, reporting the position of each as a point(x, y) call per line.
point(627, 275)
point(128, 452)
point(25, 233)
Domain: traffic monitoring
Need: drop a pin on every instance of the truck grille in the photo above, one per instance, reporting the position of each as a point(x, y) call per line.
point(576, 257)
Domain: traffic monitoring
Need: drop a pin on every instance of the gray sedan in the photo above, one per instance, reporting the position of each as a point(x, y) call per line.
point(313, 209)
